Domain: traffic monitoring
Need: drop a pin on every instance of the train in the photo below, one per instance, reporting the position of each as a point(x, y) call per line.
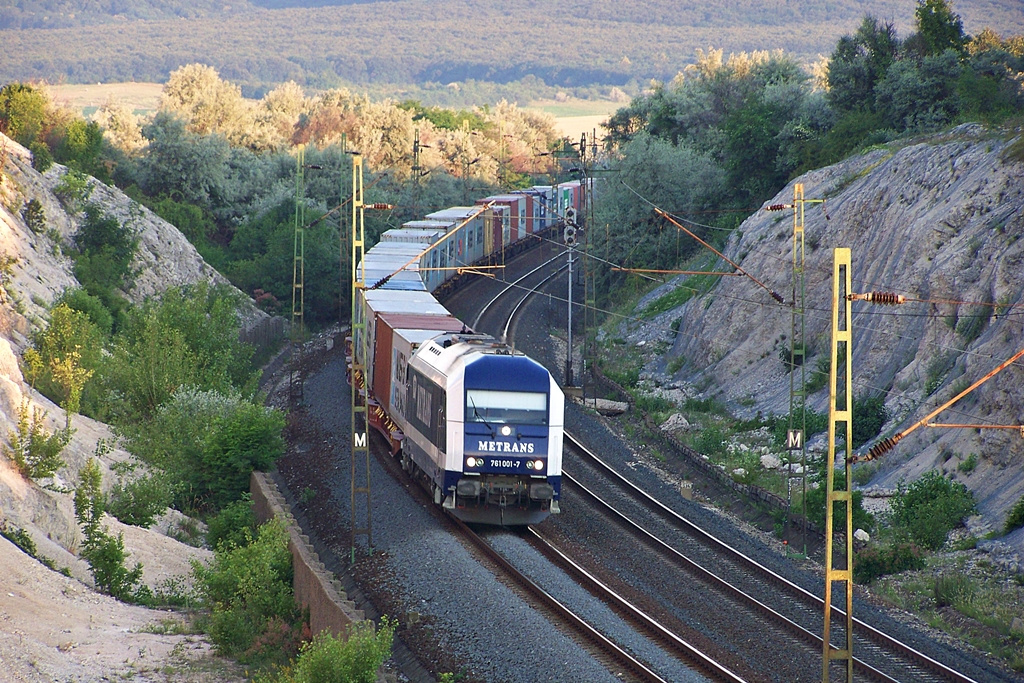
point(479, 423)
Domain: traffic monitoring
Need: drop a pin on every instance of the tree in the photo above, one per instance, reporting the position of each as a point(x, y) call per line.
point(69, 351)
point(859, 62)
point(930, 507)
point(23, 112)
point(120, 127)
point(181, 164)
point(197, 94)
point(922, 97)
point(939, 28)
point(80, 148)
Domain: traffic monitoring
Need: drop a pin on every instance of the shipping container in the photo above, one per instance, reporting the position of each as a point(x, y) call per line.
point(392, 350)
point(372, 303)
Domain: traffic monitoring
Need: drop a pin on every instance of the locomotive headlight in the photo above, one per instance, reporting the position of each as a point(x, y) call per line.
point(506, 430)
point(473, 462)
point(529, 464)
point(538, 464)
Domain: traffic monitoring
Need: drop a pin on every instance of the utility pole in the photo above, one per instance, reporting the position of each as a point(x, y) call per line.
point(842, 350)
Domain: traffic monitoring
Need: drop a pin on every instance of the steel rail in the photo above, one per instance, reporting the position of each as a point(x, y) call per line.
point(633, 666)
point(689, 653)
point(874, 634)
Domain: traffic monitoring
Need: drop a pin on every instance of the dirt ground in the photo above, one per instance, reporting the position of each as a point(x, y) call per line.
point(55, 628)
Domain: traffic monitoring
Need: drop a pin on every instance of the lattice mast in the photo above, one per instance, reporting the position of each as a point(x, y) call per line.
point(360, 489)
point(298, 276)
point(842, 352)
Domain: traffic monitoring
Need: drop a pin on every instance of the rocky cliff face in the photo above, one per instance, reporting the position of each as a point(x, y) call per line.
point(939, 220)
point(42, 271)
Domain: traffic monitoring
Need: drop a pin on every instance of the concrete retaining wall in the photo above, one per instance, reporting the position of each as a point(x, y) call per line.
point(315, 589)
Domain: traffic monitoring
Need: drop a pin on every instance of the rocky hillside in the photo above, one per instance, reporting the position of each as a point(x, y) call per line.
point(939, 220)
point(40, 272)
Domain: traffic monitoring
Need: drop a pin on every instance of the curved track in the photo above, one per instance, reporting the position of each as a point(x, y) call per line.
point(786, 605)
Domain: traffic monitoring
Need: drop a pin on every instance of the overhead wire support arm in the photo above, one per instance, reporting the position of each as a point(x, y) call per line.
point(775, 295)
point(887, 444)
point(620, 269)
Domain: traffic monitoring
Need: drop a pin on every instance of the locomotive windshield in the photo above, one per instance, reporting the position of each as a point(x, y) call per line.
point(501, 407)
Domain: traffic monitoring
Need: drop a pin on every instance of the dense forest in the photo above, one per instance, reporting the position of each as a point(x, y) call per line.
point(565, 44)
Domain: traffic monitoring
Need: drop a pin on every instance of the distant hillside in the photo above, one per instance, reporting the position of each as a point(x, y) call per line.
point(27, 14)
point(564, 43)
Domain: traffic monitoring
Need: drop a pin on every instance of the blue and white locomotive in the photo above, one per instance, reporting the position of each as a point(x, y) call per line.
point(485, 425)
point(479, 422)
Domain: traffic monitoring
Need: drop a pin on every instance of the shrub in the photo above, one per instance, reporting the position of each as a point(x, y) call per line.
point(210, 443)
point(105, 553)
point(107, 248)
point(873, 561)
point(140, 500)
point(354, 659)
point(869, 416)
point(953, 590)
point(248, 589)
point(34, 216)
point(1015, 520)
point(930, 507)
point(42, 158)
point(19, 537)
point(68, 352)
point(35, 451)
point(187, 338)
point(968, 464)
point(233, 525)
point(710, 441)
point(73, 190)
point(862, 519)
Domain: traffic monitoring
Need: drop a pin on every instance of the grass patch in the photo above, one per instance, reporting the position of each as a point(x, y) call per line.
point(978, 606)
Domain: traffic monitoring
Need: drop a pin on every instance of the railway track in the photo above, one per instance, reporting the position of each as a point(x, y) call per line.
point(777, 600)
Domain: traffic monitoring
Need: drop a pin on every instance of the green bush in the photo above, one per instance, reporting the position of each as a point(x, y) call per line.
point(873, 561)
point(140, 500)
point(36, 452)
point(77, 299)
point(105, 553)
point(653, 404)
point(953, 590)
point(19, 537)
point(354, 659)
point(209, 443)
point(969, 464)
point(105, 237)
point(869, 416)
point(187, 338)
point(710, 441)
point(73, 190)
point(233, 525)
point(929, 508)
point(34, 216)
point(248, 590)
point(1015, 520)
point(862, 519)
point(70, 342)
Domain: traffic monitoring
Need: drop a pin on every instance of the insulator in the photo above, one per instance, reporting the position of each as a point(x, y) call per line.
point(886, 298)
point(380, 206)
point(778, 297)
point(778, 207)
point(883, 446)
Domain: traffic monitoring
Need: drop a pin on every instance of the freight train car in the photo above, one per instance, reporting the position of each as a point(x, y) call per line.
point(479, 423)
